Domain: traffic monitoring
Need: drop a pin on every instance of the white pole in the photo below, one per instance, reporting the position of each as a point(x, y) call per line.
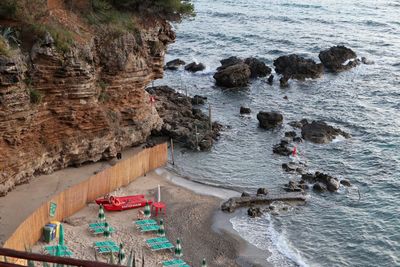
point(159, 194)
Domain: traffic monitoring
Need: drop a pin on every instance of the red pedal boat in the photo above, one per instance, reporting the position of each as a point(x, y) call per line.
point(122, 203)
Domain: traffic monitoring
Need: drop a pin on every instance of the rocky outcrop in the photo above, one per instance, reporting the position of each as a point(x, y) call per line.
point(321, 133)
point(322, 181)
point(269, 120)
point(174, 64)
point(64, 109)
point(235, 72)
point(195, 67)
point(237, 75)
point(181, 120)
point(296, 67)
point(257, 67)
point(238, 202)
point(254, 212)
point(338, 58)
point(199, 100)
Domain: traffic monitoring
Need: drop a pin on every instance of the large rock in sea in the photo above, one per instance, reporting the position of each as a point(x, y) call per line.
point(174, 64)
point(296, 67)
point(321, 133)
point(195, 67)
point(237, 75)
point(257, 67)
point(338, 58)
point(269, 120)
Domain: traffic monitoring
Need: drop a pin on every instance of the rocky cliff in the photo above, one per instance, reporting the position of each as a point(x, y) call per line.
point(64, 109)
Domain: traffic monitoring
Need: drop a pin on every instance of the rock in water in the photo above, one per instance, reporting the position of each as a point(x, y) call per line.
point(296, 67)
point(198, 100)
point(254, 212)
point(270, 79)
point(321, 133)
point(262, 191)
point(319, 187)
point(338, 58)
point(244, 110)
point(345, 182)
point(333, 185)
point(230, 61)
point(269, 120)
point(195, 67)
point(237, 75)
point(257, 67)
point(174, 64)
point(366, 61)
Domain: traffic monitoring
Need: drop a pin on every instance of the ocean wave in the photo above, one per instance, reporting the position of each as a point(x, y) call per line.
point(301, 5)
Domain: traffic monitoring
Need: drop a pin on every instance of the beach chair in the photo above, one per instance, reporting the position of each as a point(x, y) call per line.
point(149, 228)
point(52, 250)
point(173, 263)
point(157, 240)
point(145, 222)
point(104, 243)
point(107, 249)
point(158, 247)
point(97, 224)
point(98, 231)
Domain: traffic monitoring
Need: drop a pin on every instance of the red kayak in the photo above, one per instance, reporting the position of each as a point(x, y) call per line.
point(110, 199)
point(122, 203)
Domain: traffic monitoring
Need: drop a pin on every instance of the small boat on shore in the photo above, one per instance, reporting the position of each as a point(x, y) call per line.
point(112, 203)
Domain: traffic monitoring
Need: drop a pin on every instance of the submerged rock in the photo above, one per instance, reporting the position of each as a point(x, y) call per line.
point(269, 120)
point(282, 149)
point(338, 58)
point(319, 187)
point(270, 79)
point(321, 133)
point(296, 67)
point(195, 67)
point(262, 191)
point(366, 61)
point(345, 182)
point(174, 64)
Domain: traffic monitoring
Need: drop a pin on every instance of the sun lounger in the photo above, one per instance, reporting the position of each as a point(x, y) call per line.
point(173, 263)
point(101, 231)
point(145, 222)
point(104, 243)
point(149, 228)
point(52, 250)
point(97, 224)
point(107, 249)
point(157, 240)
point(162, 246)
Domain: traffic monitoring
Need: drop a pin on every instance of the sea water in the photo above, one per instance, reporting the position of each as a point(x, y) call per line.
point(357, 226)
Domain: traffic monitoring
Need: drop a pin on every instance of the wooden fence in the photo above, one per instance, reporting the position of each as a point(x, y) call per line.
point(76, 197)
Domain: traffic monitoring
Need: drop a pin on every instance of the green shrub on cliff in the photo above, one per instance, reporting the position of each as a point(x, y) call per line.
point(169, 9)
point(35, 96)
point(8, 9)
point(4, 47)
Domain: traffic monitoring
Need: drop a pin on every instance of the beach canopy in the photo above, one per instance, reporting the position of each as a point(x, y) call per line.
point(101, 215)
point(147, 211)
point(178, 249)
point(203, 263)
point(161, 230)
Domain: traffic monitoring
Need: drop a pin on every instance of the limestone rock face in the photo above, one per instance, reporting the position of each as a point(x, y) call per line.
point(59, 110)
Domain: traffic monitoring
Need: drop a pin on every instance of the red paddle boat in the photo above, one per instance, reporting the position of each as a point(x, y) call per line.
point(112, 203)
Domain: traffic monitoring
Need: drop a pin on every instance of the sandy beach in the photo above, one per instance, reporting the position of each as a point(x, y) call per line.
point(190, 217)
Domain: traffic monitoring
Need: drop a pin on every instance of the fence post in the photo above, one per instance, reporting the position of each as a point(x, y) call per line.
point(172, 151)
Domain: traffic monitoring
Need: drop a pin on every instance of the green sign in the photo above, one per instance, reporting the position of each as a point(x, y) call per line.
point(53, 207)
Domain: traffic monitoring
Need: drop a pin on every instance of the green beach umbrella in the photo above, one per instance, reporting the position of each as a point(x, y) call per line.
point(161, 230)
point(203, 263)
point(178, 249)
point(121, 254)
point(147, 212)
point(101, 215)
point(106, 232)
point(61, 235)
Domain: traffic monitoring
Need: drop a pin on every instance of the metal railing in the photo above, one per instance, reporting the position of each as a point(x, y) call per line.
point(7, 256)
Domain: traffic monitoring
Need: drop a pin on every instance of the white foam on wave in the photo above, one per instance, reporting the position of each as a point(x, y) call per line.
point(261, 233)
point(338, 138)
